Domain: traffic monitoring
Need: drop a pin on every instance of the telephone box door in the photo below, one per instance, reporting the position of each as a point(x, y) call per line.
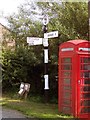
point(83, 89)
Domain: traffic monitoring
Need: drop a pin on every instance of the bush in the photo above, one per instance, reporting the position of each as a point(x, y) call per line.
point(19, 66)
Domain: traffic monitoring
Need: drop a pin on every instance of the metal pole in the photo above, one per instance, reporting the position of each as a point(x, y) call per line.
point(46, 76)
point(89, 19)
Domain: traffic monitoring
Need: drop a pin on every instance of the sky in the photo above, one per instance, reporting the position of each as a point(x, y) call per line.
point(8, 7)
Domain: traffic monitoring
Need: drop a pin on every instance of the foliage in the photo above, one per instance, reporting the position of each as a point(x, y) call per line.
point(26, 62)
point(69, 18)
point(17, 65)
point(74, 20)
point(71, 21)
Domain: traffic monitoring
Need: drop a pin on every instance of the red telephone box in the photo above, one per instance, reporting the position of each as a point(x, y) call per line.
point(74, 78)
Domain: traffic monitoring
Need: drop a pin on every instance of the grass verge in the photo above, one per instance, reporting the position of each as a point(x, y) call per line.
point(32, 108)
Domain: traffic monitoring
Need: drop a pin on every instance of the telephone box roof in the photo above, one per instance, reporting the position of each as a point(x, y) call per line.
point(78, 41)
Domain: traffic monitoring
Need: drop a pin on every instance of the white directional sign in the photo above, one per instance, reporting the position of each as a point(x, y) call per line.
point(34, 41)
point(51, 34)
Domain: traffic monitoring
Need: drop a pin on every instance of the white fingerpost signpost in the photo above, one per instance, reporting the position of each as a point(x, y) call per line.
point(44, 41)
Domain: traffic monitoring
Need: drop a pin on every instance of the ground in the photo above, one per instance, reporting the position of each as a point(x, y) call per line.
point(8, 113)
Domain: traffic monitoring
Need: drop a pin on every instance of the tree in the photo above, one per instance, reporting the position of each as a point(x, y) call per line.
point(70, 19)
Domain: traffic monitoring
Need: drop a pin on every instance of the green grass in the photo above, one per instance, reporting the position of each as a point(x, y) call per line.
point(32, 108)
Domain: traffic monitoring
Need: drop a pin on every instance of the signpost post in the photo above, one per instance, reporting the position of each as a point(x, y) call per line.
point(46, 77)
point(38, 41)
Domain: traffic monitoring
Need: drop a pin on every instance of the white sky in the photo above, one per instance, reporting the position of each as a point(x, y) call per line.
point(8, 7)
